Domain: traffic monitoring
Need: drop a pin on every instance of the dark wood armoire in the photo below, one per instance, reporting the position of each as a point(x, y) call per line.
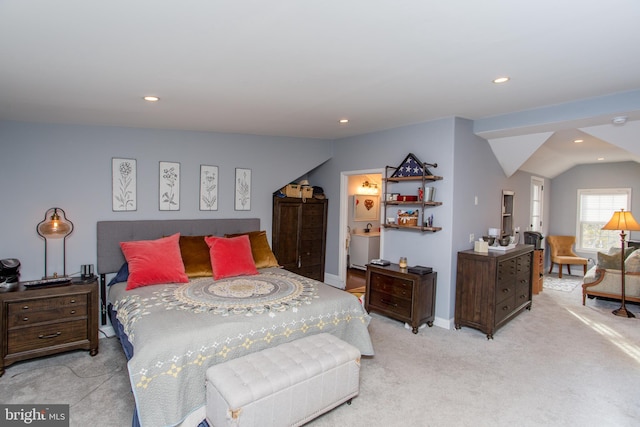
point(299, 235)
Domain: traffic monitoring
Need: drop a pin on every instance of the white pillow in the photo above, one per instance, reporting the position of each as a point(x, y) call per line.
point(632, 263)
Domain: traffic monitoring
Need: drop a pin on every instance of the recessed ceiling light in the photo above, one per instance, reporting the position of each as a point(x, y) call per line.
point(343, 121)
point(151, 98)
point(501, 79)
point(620, 120)
point(578, 141)
point(600, 158)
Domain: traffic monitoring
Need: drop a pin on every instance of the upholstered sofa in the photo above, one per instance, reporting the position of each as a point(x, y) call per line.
point(604, 279)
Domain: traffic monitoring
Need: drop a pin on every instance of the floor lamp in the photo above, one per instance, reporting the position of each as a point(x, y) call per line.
point(622, 221)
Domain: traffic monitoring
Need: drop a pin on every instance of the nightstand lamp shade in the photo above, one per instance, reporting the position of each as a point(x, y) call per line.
point(55, 227)
point(622, 221)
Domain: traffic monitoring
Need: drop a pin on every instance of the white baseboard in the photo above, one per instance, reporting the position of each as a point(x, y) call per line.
point(106, 331)
point(333, 280)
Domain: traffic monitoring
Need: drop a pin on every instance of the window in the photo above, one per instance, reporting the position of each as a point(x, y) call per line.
point(595, 208)
point(537, 199)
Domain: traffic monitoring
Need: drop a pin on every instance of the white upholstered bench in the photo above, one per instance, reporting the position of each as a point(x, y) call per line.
point(287, 385)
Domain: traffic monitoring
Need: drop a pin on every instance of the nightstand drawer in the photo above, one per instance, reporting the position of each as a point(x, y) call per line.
point(392, 285)
point(29, 317)
point(37, 337)
point(387, 302)
point(28, 306)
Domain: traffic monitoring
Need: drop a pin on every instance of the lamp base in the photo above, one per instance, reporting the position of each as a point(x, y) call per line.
point(622, 312)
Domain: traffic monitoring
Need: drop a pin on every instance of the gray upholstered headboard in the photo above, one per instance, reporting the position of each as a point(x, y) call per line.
point(111, 233)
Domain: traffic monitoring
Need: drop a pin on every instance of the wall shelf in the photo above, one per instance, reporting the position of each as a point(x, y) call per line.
point(420, 205)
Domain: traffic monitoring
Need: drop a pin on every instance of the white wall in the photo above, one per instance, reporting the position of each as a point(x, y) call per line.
point(42, 166)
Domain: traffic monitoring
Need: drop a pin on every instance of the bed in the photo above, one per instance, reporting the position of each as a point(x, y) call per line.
point(172, 332)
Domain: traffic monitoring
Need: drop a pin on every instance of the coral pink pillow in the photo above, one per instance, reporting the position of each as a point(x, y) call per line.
point(231, 256)
point(152, 262)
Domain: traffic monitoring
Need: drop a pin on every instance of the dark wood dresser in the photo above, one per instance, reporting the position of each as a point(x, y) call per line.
point(299, 235)
point(492, 288)
point(48, 320)
point(401, 295)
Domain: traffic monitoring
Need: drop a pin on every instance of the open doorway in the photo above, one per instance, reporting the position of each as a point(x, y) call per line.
point(360, 210)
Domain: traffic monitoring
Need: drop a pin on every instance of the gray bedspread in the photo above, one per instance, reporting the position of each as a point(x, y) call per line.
point(179, 330)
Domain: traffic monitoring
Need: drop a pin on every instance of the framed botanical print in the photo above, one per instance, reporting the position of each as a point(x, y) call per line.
point(208, 188)
point(365, 208)
point(169, 193)
point(243, 189)
point(123, 185)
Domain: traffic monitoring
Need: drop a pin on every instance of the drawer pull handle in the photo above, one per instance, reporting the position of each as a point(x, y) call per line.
point(26, 307)
point(388, 303)
point(73, 301)
point(505, 291)
point(25, 319)
point(73, 312)
point(57, 334)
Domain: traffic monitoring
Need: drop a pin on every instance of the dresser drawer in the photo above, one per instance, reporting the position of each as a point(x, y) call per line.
point(523, 292)
point(391, 303)
point(504, 308)
point(38, 337)
point(392, 285)
point(505, 290)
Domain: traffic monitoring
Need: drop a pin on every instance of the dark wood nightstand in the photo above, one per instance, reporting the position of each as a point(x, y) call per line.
point(401, 295)
point(48, 320)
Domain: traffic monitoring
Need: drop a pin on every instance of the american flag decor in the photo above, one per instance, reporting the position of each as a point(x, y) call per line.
point(410, 166)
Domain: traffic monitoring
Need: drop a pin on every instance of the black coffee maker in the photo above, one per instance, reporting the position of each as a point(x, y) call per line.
point(533, 238)
point(9, 273)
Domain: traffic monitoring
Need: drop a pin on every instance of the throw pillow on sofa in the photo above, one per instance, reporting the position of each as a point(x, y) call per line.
point(611, 260)
point(632, 263)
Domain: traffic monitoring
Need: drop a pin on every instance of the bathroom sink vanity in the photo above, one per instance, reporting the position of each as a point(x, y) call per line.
point(363, 248)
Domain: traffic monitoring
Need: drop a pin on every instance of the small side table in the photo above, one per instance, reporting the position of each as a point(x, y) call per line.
point(48, 320)
point(398, 294)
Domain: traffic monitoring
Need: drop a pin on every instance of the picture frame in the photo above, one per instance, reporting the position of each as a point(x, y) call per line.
point(208, 188)
point(123, 185)
point(366, 207)
point(243, 190)
point(169, 186)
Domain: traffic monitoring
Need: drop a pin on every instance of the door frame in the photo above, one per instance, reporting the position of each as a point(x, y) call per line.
point(344, 220)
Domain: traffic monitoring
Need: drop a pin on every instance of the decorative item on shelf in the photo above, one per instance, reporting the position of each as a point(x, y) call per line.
point(403, 198)
point(430, 194)
point(622, 221)
point(411, 166)
point(428, 222)
point(54, 227)
point(402, 263)
point(420, 193)
point(407, 218)
point(391, 220)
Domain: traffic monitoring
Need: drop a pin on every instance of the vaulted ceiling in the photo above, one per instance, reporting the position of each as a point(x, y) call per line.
point(294, 68)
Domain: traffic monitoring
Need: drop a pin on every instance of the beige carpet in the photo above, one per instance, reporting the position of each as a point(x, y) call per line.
point(560, 364)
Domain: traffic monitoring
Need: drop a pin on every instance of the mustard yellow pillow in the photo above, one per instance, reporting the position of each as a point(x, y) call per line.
point(195, 256)
point(262, 254)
